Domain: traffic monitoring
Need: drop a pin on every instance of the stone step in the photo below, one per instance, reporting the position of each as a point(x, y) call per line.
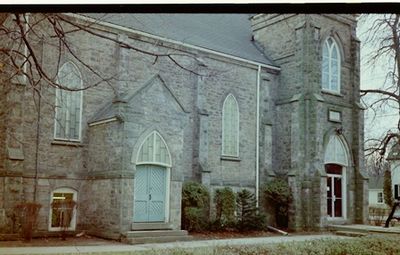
point(156, 233)
point(151, 226)
point(350, 233)
point(156, 236)
point(157, 239)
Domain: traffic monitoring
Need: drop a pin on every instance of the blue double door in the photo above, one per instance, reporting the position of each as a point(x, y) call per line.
point(150, 194)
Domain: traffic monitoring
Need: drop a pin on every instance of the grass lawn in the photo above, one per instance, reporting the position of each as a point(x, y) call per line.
point(380, 244)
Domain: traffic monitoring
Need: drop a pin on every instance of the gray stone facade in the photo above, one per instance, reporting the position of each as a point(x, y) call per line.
point(186, 110)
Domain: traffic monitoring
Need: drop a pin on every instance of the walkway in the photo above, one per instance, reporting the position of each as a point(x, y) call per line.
point(366, 229)
point(130, 249)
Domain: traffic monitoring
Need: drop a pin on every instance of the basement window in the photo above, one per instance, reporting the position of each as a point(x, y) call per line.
point(63, 209)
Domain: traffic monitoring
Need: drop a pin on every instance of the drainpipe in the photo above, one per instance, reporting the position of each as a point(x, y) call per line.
point(258, 136)
point(25, 66)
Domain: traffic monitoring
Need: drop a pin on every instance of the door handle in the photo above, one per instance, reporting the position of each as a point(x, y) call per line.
point(149, 196)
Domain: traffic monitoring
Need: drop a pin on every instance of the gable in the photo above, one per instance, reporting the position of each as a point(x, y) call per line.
point(154, 95)
point(154, 92)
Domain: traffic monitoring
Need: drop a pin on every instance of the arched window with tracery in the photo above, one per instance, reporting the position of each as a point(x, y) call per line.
point(68, 112)
point(331, 66)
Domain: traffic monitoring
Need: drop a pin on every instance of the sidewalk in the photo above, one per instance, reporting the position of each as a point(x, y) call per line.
point(130, 249)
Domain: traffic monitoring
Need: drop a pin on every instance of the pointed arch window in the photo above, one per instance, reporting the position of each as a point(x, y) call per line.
point(68, 114)
point(230, 127)
point(336, 152)
point(154, 151)
point(331, 66)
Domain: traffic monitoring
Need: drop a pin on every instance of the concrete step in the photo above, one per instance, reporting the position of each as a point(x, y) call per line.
point(155, 236)
point(155, 233)
point(350, 233)
point(157, 239)
point(151, 226)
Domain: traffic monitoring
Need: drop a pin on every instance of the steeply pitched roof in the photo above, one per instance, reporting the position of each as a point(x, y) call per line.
point(394, 153)
point(375, 182)
point(225, 33)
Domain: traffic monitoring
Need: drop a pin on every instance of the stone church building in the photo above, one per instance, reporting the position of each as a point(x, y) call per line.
point(243, 99)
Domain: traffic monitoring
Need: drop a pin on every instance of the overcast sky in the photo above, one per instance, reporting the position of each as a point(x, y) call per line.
point(374, 77)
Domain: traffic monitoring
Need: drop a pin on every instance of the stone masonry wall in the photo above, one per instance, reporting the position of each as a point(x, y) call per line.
point(297, 48)
point(101, 166)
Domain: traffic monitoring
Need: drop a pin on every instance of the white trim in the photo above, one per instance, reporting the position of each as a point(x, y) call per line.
point(130, 30)
point(343, 175)
point(95, 123)
point(344, 195)
point(335, 45)
point(345, 149)
point(80, 110)
point(257, 136)
point(377, 197)
point(237, 127)
point(74, 197)
point(154, 151)
point(167, 194)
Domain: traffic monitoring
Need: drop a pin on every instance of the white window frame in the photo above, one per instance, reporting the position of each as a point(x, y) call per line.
point(237, 127)
point(330, 48)
point(73, 220)
point(80, 112)
point(379, 195)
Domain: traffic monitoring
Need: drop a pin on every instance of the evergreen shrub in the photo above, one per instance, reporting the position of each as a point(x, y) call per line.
point(277, 194)
point(248, 215)
point(225, 205)
point(195, 206)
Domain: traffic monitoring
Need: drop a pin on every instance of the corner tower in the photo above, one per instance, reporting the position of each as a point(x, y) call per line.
point(318, 137)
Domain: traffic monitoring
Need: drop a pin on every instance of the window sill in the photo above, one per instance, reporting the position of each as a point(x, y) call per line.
point(67, 143)
point(230, 158)
point(331, 92)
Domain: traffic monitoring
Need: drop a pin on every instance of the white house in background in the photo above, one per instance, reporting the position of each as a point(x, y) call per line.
point(394, 159)
point(375, 194)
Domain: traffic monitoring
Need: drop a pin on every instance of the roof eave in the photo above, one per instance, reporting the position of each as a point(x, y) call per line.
point(130, 30)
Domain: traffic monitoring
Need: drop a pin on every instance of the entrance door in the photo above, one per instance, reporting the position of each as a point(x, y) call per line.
point(334, 190)
point(150, 192)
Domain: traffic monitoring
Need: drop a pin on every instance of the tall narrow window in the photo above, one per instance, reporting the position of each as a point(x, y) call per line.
point(330, 66)
point(68, 103)
point(380, 197)
point(230, 127)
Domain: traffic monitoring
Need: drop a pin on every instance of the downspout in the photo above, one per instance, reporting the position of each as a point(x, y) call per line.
point(25, 66)
point(258, 137)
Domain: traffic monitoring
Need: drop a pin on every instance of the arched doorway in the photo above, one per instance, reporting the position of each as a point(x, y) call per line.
point(152, 178)
point(336, 162)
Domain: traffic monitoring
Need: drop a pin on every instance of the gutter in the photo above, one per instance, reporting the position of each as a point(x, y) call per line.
point(258, 137)
point(130, 30)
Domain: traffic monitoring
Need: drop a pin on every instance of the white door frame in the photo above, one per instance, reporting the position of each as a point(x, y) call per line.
point(344, 193)
point(343, 198)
